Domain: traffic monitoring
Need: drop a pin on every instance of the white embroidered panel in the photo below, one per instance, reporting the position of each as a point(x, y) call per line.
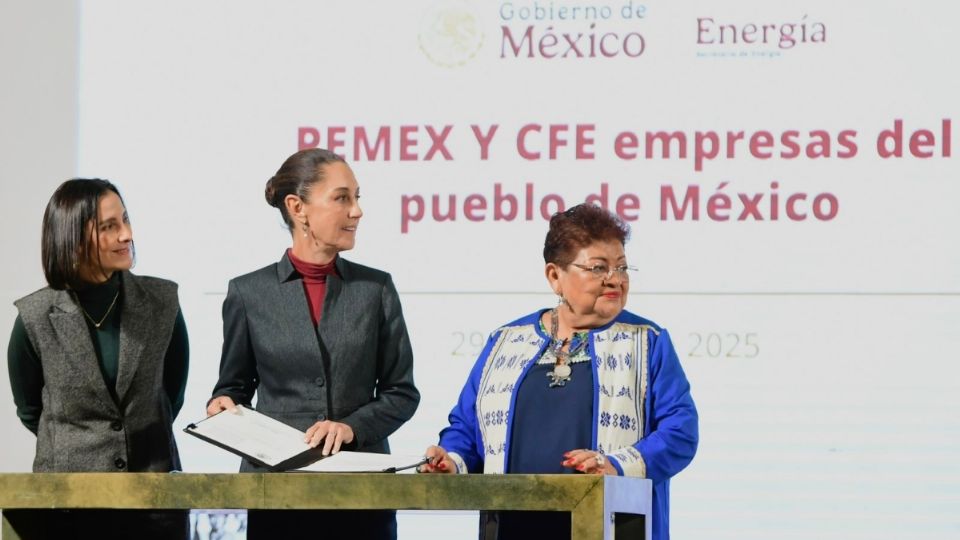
point(515, 348)
point(621, 361)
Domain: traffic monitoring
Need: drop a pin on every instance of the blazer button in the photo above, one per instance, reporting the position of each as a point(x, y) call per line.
point(321, 417)
point(319, 381)
point(120, 463)
point(116, 425)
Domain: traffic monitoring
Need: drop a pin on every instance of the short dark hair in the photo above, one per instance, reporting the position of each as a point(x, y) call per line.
point(65, 242)
point(296, 176)
point(577, 228)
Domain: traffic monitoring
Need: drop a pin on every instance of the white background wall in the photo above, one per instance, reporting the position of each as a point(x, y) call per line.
point(822, 354)
point(38, 151)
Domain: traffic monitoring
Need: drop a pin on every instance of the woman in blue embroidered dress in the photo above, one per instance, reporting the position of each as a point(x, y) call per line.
point(584, 387)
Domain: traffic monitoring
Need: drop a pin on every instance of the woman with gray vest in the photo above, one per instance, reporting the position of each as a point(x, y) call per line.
point(98, 360)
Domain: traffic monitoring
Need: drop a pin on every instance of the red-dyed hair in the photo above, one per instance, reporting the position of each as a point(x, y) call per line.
point(577, 228)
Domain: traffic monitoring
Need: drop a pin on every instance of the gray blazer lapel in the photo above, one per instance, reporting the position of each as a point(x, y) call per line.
point(293, 308)
point(333, 303)
point(330, 322)
point(72, 331)
point(135, 329)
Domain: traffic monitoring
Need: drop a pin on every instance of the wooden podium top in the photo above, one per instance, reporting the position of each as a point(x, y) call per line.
point(589, 498)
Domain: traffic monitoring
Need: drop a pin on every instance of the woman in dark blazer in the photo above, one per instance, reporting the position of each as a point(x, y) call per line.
point(98, 361)
point(319, 339)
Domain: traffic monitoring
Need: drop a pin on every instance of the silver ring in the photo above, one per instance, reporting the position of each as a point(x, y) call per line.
point(600, 459)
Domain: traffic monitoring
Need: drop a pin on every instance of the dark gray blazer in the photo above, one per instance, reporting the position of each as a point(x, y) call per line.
point(81, 427)
point(355, 368)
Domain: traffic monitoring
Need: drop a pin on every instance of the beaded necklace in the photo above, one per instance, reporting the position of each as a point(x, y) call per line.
point(561, 369)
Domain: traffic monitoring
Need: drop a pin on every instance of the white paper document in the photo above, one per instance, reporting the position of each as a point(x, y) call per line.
point(271, 443)
point(252, 435)
point(364, 462)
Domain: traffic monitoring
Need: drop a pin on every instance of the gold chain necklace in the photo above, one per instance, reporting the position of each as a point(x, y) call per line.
point(105, 315)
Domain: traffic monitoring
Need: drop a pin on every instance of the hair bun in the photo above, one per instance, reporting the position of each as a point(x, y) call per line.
point(271, 192)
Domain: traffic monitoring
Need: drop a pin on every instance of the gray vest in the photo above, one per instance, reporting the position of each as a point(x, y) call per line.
point(82, 428)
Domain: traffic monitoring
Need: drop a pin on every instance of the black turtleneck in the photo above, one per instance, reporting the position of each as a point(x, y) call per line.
point(100, 304)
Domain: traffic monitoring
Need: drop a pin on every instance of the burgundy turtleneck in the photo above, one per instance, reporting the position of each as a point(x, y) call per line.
point(314, 282)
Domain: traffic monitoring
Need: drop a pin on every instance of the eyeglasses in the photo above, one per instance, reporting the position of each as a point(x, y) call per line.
point(602, 271)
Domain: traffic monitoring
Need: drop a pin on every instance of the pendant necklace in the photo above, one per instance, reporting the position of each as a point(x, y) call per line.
point(561, 369)
point(105, 315)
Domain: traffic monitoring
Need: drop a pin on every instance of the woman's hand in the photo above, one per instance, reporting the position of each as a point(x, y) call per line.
point(588, 461)
point(333, 435)
point(220, 403)
point(438, 461)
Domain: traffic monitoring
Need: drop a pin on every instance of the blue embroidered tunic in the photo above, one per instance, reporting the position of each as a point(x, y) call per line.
point(642, 416)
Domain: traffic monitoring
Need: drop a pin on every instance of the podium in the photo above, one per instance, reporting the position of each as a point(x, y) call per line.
point(598, 505)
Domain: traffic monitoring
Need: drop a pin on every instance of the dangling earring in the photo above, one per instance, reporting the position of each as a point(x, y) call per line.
point(305, 230)
point(560, 299)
